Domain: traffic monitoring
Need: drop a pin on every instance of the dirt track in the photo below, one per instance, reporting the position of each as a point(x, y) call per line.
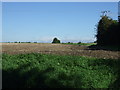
point(61, 49)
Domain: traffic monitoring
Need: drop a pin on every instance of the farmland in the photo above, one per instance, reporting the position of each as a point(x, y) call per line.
point(40, 65)
point(43, 45)
point(60, 49)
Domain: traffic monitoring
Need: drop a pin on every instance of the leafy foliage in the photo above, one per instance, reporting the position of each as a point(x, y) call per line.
point(108, 31)
point(55, 40)
point(53, 71)
point(79, 42)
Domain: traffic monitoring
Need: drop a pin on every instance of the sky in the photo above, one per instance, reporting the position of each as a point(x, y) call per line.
point(59, 0)
point(0, 23)
point(119, 8)
point(43, 21)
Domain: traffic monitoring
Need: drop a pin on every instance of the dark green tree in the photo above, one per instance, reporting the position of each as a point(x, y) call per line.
point(55, 40)
point(107, 31)
point(102, 28)
point(79, 42)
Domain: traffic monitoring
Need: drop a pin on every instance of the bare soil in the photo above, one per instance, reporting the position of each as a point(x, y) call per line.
point(61, 49)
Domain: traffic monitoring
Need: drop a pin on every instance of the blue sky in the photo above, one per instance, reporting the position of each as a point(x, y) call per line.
point(42, 21)
point(0, 21)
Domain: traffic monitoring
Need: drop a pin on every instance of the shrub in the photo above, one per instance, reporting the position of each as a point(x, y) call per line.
point(35, 42)
point(70, 42)
point(79, 42)
point(55, 40)
point(15, 42)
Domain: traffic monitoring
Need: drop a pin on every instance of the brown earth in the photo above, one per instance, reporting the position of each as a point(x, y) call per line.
point(61, 49)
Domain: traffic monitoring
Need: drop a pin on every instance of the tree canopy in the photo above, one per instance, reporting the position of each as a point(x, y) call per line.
point(55, 40)
point(107, 31)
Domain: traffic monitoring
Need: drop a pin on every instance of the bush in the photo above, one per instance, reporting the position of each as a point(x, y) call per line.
point(55, 40)
point(70, 42)
point(79, 42)
point(15, 42)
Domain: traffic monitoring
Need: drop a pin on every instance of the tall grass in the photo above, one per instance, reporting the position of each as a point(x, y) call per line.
point(54, 71)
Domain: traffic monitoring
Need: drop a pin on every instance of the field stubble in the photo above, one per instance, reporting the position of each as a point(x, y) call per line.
point(60, 49)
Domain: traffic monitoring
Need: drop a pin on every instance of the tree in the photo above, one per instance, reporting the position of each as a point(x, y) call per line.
point(79, 42)
point(107, 31)
point(55, 40)
point(102, 28)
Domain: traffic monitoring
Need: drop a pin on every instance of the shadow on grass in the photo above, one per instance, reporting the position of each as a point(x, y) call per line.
point(34, 78)
point(115, 68)
point(116, 83)
point(17, 78)
point(108, 48)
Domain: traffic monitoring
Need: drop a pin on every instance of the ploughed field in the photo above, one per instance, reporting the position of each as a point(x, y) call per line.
point(59, 49)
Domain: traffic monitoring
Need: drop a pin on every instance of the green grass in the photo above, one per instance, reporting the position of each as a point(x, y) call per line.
point(52, 71)
point(86, 44)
